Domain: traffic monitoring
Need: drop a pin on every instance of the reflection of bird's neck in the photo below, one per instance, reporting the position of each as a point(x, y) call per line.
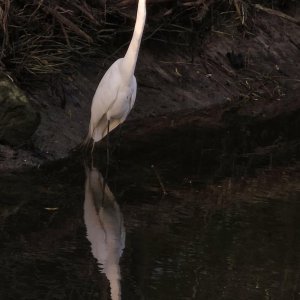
point(113, 275)
point(129, 61)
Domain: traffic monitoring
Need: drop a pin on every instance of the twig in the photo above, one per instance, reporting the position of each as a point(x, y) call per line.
point(68, 23)
point(159, 180)
point(84, 9)
point(65, 34)
point(238, 10)
point(277, 13)
point(4, 24)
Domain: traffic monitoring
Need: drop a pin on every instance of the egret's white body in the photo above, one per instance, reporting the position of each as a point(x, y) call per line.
point(116, 93)
point(105, 228)
point(112, 102)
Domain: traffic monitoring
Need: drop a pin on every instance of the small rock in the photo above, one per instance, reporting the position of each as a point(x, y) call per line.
point(18, 120)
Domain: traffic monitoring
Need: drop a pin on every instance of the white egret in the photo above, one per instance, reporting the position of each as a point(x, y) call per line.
point(105, 228)
point(116, 93)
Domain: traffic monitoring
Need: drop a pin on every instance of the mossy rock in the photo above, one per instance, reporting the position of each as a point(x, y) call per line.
point(18, 120)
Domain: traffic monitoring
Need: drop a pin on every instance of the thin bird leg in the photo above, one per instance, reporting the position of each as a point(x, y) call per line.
point(107, 158)
point(107, 149)
point(92, 149)
point(92, 157)
point(117, 146)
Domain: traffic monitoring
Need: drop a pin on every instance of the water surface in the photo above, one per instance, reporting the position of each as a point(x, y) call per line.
point(67, 235)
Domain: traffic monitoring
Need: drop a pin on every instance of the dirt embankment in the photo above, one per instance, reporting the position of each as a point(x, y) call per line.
point(257, 67)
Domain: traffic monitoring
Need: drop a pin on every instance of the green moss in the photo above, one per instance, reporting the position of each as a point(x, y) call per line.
point(18, 120)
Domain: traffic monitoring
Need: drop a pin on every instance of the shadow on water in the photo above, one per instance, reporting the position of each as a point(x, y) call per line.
point(228, 236)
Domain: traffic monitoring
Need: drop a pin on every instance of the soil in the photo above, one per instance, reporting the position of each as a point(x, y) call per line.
point(245, 80)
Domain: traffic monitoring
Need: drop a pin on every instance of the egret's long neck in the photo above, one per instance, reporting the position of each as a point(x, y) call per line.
point(129, 61)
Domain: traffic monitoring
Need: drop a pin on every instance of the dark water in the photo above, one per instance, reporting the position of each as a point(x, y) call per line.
point(67, 235)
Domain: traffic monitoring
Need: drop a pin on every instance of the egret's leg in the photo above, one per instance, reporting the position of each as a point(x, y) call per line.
point(107, 158)
point(116, 147)
point(92, 157)
point(107, 146)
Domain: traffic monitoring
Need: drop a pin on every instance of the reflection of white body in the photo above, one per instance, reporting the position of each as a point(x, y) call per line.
point(105, 228)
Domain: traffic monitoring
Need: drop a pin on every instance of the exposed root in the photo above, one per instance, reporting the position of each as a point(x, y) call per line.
point(277, 13)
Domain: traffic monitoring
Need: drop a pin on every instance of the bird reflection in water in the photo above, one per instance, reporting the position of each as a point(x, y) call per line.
point(105, 228)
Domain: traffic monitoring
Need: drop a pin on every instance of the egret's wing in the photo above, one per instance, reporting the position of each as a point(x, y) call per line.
point(106, 93)
point(133, 95)
point(104, 98)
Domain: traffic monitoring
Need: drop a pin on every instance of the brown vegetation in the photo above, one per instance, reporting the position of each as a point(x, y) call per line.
point(45, 36)
point(193, 55)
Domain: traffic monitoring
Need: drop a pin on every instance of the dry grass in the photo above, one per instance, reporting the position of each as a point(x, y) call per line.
point(41, 36)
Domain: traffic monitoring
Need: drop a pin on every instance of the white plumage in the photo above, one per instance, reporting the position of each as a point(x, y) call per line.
point(116, 93)
point(112, 102)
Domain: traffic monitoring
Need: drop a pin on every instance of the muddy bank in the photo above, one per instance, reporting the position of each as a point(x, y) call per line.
point(175, 80)
point(207, 146)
